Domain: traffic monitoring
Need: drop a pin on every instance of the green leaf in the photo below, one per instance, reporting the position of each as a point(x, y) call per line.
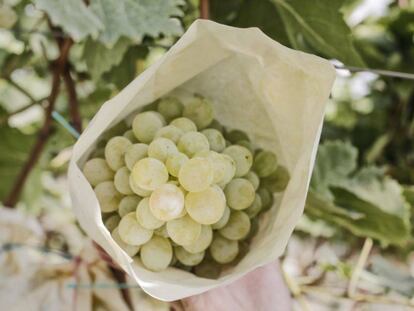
point(320, 25)
point(15, 147)
point(73, 16)
point(136, 19)
point(100, 59)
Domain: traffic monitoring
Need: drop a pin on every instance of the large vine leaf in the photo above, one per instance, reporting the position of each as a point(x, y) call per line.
point(320, 24)
point(136, 19)
point(73, 16)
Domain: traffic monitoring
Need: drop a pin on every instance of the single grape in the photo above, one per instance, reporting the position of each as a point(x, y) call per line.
point(149, 173)
point(200, 111)
point(243, 158)
point(112, 222)
point(217, 126)
point(265, 163)
point(167, 202)
point(121, 181)
point(208, 269)
point(138, 190)
point(115, 150)
point(187, 258)
point(193, 142)
point(145, 217)
point(131, 232)
point(247, 144)
point(223, 250)
point(131, 250)
point(96, 171)
point(134, 153)
point(99, 153)
point(184, 124)
point(128, 204)
point(254, 209)
point(224, 168)
point(203, 241)
point(266, 197)
point(161, 148)
point(253, 178)
point(175, 162)
point(196, 174)
point(170, 108)
point(254, 228)
point(207, 206)
point(215, 139)
point(278, 180)
point(237, 227)
point(146, 124)
point(223, 220)
point(108, 197)
point(156, 254)
point(184, 230)
point(239, 193)
point(162, 231)
point(171, 132)
point(130, 136)
point(236, 135)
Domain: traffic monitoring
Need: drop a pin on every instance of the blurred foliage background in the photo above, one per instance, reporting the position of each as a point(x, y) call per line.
point(353, 248)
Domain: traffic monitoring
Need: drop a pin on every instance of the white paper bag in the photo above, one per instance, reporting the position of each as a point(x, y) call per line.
point(275, 94)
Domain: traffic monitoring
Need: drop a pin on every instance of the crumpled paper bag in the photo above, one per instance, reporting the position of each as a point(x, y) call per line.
point(275, 94)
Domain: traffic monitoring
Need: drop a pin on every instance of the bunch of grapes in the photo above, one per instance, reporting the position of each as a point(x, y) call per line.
point(180, 190)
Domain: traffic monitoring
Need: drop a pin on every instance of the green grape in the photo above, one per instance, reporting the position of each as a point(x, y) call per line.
point(171, 132)
point(224, 169)
point(244, 247)
point(108, 197)
point(247, 144)
point(196, 174)
point(170, 108)
point(243, 158)
point(131, 250)
point(167, 202)
point(203, 241)
point(161, 148)
point(130, 136)
point(254, 209)
point(223, 220)
point(207, 206)
point(149, 173)
point(134, 153)
point(265, 163)
point(156, 254)
point(162, 231)
point(223, 250)
point(208, 269)
point(116, 130)
point(115, 150)
point(237, 227)
point(254, 228)
point(217, 126)
point(99, 153)
point(146, 124)
point(121, 181)
point(278, 180)
point(187, 258)
point(175, 162)
point(145, 217)
point(236, 135)
point(253, 178)
point(184, 124)
point(96, 171)
point(215, 139)
point(150, 107)
point(128, 204)
point(266, 197)
point(112, 222)
point(131, 232)
point(239, 193)
point(184, 230)
point(138, 190)
point(200, 111)
point(193, 142)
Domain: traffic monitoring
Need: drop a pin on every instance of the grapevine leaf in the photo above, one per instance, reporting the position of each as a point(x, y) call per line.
point(136, 19)
point(100, 59)
point(319, 24)
point(73, 16)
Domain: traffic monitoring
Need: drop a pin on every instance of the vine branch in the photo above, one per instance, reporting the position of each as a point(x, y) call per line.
point(204, 9)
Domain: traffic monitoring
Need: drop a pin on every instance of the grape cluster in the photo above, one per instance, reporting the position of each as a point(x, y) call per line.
point(180, 190)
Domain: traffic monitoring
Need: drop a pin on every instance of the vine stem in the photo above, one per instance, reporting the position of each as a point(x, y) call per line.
point(204, 9)
point(73, 100)
point(44, 133)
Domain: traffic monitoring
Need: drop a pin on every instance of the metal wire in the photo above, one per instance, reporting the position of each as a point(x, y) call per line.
point(381, 72)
